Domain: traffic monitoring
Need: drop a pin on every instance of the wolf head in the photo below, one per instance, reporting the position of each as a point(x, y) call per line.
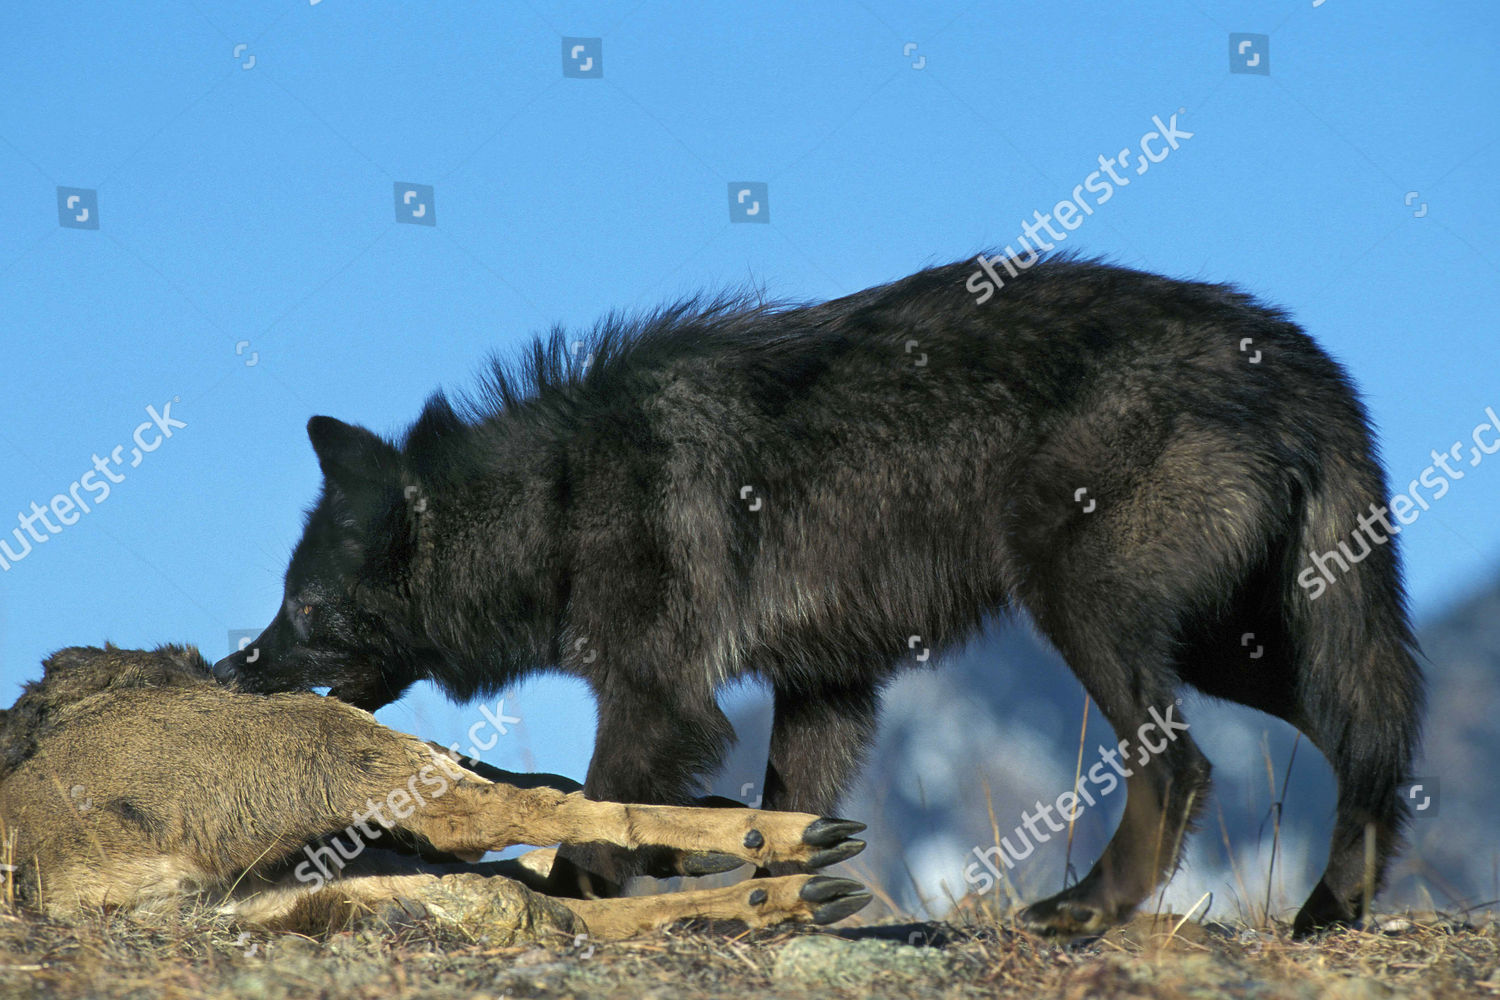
point(348, 619)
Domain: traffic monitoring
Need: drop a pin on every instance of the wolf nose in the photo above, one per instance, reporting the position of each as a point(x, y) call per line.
point(226, 670)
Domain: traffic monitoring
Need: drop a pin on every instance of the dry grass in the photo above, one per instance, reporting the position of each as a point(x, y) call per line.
point(195, 954)
point(976, 952)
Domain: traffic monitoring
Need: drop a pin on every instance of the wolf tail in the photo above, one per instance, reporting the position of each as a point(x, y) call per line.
point(1360, 685)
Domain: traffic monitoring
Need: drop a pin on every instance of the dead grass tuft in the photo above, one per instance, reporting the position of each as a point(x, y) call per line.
point(195, 953)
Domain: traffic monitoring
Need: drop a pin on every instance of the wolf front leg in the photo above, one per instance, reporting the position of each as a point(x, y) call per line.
point(654, 741)
point(819, 738)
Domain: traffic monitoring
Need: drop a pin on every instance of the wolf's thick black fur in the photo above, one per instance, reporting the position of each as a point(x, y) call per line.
point(813, 495)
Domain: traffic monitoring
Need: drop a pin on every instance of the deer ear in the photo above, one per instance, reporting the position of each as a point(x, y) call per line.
point(349, 455)
point(73, 659)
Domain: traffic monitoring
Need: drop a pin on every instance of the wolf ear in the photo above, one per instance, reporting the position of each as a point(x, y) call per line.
point(438, 422)
point(348, 454)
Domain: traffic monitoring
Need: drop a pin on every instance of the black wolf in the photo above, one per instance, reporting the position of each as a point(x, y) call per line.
point(819, 495)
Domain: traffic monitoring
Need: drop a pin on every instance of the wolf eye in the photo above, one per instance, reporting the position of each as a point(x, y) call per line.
point(307, 610)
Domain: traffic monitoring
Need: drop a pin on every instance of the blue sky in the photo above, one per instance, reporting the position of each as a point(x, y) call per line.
point(248, 265)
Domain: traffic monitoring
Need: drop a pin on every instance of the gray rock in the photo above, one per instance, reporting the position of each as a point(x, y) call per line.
point(1360, 988)
point(562, 976)
point(833, 961)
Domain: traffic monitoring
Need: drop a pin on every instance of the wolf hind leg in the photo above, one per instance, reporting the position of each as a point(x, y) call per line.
point(1178, 512)
point(1166, 776)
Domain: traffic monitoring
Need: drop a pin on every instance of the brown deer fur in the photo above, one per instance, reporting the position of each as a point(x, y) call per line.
point(129, 779)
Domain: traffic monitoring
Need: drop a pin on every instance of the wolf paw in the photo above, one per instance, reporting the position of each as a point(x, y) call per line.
point(1067, 914)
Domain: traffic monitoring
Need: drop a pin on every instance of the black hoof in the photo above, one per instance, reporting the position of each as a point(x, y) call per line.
point(825, 832)
point(833, 855)
point(700, 863)
point(824, 887)
point(838, 897)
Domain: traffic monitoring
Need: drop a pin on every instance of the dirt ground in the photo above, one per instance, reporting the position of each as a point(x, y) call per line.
point(396, 955)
